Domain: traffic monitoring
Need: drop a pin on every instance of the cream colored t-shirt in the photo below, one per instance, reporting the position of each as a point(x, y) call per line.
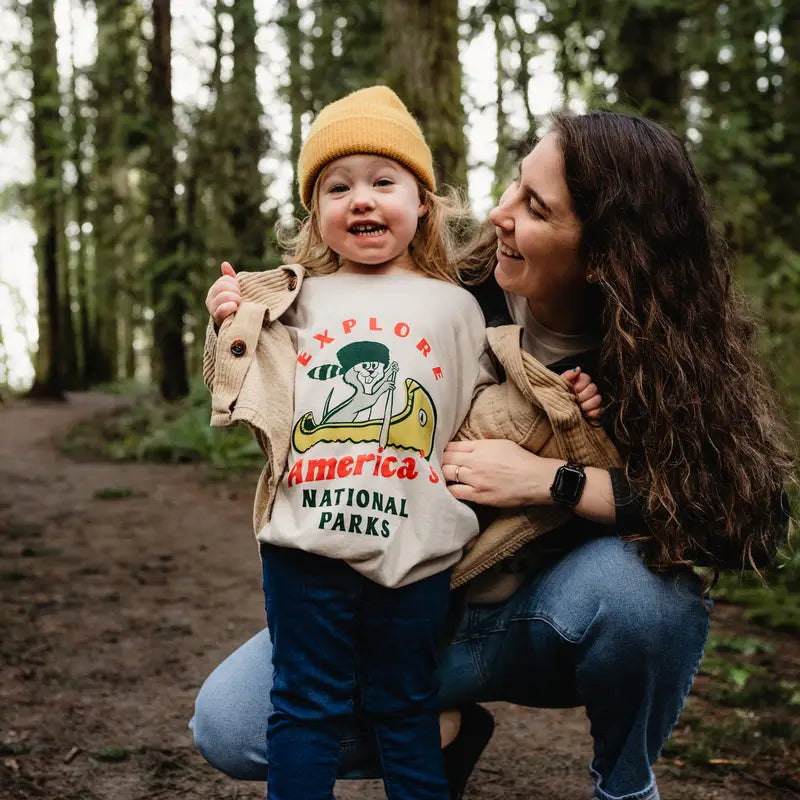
point(544, 345)
point(387, 369)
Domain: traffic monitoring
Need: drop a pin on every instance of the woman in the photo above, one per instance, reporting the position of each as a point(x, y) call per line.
point(604, 252)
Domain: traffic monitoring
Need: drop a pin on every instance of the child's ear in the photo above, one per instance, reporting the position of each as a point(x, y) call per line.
point(422, 209)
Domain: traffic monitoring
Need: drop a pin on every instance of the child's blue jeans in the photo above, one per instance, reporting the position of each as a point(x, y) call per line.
point(332, 629)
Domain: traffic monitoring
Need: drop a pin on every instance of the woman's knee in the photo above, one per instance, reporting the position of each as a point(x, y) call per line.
point(642, 614)
point(231, 712)
point(603, 590)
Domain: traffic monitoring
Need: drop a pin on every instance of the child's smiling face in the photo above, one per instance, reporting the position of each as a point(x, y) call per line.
point(368, 209)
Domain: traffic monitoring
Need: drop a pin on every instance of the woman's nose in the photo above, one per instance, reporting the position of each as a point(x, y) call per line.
point(499, 216)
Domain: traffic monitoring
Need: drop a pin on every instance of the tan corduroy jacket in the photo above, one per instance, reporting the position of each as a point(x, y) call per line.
point(249, 368)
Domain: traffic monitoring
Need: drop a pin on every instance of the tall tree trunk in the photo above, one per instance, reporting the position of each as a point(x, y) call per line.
point(290, 22)
point(78, 199)
point(421, 41)
point(504, 160)
point(67, 338)
point(250, 141)
point(169, 279)
point(112, 76)
point(47, 195)
point(647, 62)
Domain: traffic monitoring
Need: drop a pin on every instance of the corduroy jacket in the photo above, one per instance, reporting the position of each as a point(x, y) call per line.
point(249, 368)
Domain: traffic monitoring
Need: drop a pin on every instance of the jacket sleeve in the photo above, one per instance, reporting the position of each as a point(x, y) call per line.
point(209, 355)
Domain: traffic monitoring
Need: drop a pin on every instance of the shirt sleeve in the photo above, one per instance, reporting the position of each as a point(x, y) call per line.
point(487, 374)
point(630, 509)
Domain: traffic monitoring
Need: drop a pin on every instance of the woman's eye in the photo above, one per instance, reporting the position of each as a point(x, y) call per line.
point(534, 212)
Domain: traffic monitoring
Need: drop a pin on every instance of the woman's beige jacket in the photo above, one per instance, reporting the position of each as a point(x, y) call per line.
point(249, 368)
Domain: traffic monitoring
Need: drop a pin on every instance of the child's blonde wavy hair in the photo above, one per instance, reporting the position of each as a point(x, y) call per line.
point(433, 248)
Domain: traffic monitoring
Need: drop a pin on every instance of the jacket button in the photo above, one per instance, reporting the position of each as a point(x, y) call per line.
point(292, 283)
point(238, 347)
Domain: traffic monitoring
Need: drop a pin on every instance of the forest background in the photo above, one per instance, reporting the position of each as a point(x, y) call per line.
point(136, 197)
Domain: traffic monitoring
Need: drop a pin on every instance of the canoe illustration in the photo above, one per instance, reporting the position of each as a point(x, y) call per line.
point(413, 428)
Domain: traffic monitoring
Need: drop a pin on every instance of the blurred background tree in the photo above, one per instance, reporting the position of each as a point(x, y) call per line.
point(137, 197)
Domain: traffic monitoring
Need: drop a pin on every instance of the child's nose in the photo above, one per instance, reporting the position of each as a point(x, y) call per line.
point(362, 199)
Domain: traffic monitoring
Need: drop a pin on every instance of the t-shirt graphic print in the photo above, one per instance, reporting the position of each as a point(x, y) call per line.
point(387, 367)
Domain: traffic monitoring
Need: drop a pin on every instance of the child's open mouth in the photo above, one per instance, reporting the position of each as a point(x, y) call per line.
point(367, 229)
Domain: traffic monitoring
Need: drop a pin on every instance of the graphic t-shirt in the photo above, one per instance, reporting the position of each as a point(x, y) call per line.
point(387, 368)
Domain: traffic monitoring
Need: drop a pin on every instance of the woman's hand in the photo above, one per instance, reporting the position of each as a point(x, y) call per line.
point(498, 472)
point(225, 295)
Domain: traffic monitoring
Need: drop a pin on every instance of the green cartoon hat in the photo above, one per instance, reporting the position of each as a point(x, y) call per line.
point(355, 353)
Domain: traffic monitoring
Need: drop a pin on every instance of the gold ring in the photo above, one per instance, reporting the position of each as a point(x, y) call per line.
point(458, 467)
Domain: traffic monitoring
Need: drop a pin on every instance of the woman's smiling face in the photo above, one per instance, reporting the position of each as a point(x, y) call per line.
point(538, 239)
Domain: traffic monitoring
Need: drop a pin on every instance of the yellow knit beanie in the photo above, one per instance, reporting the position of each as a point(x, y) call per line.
point(372, 120)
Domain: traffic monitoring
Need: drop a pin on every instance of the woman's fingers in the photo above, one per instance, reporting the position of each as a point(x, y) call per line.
point(592, 403)
point(456, 473)
point(457, 447)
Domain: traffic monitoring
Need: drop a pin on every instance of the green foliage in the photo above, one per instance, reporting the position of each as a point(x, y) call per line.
point(153, 430)
point(111, 754)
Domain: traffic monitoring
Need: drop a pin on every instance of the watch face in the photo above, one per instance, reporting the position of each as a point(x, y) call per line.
point(571, 482)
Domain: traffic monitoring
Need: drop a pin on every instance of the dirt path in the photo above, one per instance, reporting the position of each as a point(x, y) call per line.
point(113, 611)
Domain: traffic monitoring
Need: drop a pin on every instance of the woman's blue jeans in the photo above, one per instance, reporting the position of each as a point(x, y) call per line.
point(595, 628)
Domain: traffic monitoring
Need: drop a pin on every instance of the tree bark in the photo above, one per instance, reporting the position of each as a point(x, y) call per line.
point(168, 271)
point(421, 41)
point(250, 142)
point(47, 194)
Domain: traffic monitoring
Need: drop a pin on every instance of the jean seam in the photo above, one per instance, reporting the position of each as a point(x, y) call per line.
point(572, 638)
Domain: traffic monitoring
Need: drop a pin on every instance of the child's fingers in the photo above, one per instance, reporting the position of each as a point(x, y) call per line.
point(585, 394)
point(227, 297)
point(591, 404)
point(581, 382)
point(224, 311)
point(227, 269)
point(226, 282)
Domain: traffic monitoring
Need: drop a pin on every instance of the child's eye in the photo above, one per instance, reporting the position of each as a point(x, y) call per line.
point(338, 187)
point(384, 182)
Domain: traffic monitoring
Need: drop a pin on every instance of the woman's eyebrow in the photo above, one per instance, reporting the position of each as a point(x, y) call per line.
point(536, 196)
point(532, 192)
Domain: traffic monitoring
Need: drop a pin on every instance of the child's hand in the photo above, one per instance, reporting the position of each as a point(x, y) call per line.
point(589, 398)
point(225, 296)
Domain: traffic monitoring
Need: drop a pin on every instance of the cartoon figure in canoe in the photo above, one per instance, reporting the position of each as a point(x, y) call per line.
point(366, 415)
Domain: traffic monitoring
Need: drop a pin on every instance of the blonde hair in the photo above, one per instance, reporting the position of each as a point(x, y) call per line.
point(433, 248)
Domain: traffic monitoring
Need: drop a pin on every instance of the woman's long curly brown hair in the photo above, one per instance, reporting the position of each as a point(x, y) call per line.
point(695, 420)
point(692, 412)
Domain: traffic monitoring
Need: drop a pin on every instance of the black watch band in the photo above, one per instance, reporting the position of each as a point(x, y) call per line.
point(568, 484)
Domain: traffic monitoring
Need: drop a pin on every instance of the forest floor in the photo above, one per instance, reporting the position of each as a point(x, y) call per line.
point(122, 585)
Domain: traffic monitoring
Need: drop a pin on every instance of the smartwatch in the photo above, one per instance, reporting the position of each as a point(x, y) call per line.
point(568, 484)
